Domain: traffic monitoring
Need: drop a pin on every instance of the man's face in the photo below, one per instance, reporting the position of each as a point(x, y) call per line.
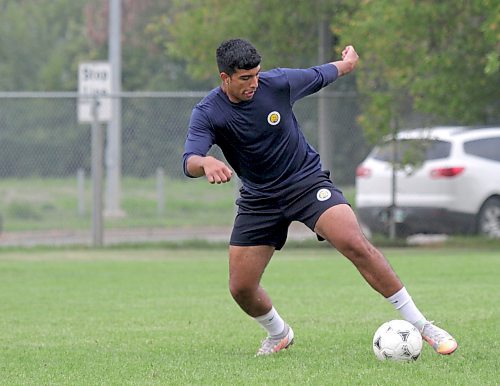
point(241, 86)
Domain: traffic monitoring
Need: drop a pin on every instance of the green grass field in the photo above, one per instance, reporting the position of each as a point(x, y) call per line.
point(55, 204)
point(49, 203)
point(152, 315)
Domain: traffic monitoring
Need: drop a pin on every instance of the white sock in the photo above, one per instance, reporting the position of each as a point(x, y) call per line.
point(271, 322)
point(403, 302)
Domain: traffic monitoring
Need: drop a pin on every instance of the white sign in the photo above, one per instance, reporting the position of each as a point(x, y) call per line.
point(94, 83)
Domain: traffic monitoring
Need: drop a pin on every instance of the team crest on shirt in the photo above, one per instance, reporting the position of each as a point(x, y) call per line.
point(323, 194)
point(273, 118)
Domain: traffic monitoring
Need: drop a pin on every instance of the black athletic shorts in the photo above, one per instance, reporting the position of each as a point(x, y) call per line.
point(266, 221)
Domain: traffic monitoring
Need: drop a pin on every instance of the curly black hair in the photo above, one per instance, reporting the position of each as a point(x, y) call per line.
point(237, 54)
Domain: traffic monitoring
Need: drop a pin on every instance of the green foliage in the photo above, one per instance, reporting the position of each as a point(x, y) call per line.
point(146, 65)
point(42, 43)
point(39, 44)
point(491, 30)
point(429, 58)
point(286, 32)
point(437, 57)
point(46, 134)
point(164, 316)
point(440, 58)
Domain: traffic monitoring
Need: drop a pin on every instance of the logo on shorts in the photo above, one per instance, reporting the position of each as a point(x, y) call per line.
point(323, 194)
point(273, 118)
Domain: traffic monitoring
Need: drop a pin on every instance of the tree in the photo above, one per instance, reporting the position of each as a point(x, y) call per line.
point(286, 32)
point(146, 65)
point(43, 42)
point(38, 43)
point(437, 58)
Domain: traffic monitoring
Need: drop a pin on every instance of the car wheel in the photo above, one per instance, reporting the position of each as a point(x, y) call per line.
point(488, 223)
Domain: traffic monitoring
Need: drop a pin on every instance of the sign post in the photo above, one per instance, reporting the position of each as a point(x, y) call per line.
point(94, 107)
point(97, 165)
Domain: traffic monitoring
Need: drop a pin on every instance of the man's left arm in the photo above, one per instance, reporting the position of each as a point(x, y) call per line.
point(305, 82)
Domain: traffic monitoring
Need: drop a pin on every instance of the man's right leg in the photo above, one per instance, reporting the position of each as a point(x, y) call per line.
point(339, 226)
point(246, 267)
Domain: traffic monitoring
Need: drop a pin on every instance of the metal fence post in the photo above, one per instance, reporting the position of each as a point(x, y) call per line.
point(160, 190)
point(80, 182)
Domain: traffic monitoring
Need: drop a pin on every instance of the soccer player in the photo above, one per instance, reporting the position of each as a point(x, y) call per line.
point(250, 118)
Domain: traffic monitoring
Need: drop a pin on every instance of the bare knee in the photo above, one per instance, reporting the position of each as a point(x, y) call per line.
point(339, 226)
point(246, 267)
point(251, 298)
point(241, 291)
point(356, 248)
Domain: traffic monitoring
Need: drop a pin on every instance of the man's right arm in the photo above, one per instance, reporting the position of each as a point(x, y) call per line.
point(199, 140)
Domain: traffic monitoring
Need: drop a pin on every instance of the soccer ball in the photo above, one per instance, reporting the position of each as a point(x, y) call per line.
point(397, 340)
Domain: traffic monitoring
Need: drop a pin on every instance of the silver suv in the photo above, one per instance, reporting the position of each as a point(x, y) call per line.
point(454, 189)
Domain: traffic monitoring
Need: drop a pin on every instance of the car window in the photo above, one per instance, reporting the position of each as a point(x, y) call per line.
point(432, 149)
point(486, 148)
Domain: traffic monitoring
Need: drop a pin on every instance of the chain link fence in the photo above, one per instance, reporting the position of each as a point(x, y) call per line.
point(46, 157)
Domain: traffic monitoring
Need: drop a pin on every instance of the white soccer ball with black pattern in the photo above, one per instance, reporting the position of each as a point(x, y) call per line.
point(397, 340)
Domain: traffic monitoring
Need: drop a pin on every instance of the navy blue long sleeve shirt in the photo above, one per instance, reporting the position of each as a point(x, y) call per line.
point(261, 138)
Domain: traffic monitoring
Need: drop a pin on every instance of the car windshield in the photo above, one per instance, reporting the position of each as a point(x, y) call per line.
point(413, 150)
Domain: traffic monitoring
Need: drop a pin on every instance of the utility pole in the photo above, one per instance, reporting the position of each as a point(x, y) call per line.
point(325, 132)
point(113, 145)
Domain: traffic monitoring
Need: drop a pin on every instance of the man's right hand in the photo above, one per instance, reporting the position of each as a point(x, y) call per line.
point(216, 171)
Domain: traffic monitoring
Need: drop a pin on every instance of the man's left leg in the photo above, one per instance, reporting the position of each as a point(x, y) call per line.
point(339, 226)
